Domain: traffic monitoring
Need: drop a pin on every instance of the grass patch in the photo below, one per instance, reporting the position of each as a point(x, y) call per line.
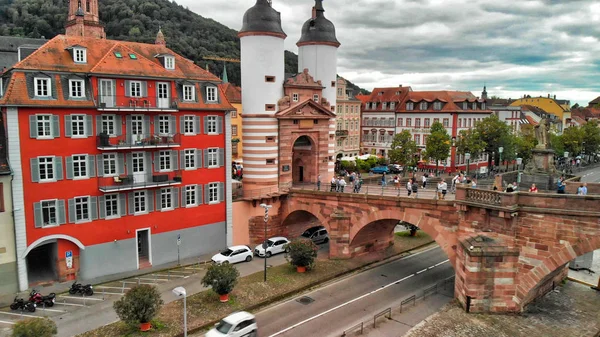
point(406, 234)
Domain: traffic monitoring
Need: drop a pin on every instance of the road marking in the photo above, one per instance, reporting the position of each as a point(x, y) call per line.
point(47, 309)
point(15, 314)
point(70, 304)
point(420, 271)
point(106, 287)
point(81, 298)
point(346, 303)
point(130, 282)
point(7, 322)
point(441, 263)
point(153, 279)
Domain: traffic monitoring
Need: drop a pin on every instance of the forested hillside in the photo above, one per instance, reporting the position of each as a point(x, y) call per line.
point(186, 32)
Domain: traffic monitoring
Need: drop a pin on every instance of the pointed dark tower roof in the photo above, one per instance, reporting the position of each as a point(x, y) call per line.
point(262, 19)
point(484, 93)
point(160, 38)
point(318, 30)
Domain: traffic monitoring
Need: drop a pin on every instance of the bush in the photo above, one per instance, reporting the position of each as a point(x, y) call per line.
point(348, 165)
point(34, 327)
point(302, 253)
point(139, 305)
point(382, 161)
point(362, 165)
point(221, 278)
point(372, 162)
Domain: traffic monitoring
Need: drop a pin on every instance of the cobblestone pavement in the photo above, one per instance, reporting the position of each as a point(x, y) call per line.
point(573, 311)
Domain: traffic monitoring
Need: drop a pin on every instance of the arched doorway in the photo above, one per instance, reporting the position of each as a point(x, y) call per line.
point(41, 263)
point(304, 160)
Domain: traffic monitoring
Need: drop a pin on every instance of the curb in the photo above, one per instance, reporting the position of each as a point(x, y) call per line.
point(281, 297)
point(580, 282)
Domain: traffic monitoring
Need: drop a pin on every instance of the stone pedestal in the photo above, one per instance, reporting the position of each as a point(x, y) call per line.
point(540, 170)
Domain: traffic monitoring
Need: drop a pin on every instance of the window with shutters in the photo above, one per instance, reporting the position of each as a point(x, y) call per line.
point(213, 193)
point(190, 159)
point(46, 168)
point(111, 206)
point(76, 89)
point(42, 87)
point(82, 209)
point(211, 94)
point(135, 88)
point(191, 195)
point(211, 124)
point(212, 156)
point(109, 161)
point(189, 93)
point(164, 159)
point(49, 213)
point(139, 202)
point(189, 125)
point(166, 200)
point(78, 126)
point(108, 124)
point(80, 166)
point(164, 125)
point(44, 126)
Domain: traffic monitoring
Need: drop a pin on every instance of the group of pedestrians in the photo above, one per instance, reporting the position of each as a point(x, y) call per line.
point(338, 184)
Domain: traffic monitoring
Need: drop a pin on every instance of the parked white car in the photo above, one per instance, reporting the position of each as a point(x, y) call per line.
point(237, 324)
point(275, 245)
point(233, 254)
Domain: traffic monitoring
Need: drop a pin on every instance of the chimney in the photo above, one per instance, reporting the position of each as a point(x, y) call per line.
point(555, 97)
point(548, 95)
point(314, 12)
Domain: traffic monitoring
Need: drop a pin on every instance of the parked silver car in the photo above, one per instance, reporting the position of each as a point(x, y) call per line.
point(317, 234)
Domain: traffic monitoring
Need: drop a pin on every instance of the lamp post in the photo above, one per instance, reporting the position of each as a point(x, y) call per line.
point(516, 155)
point(264, 245)
point(519, 162)
point(180, 291)
point(500, 150)
point(468, 157)
point(453, 158)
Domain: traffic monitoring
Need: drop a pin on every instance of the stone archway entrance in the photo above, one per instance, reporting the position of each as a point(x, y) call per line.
point(304, 160)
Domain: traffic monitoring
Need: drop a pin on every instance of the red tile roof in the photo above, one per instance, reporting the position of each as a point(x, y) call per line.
point(451, 101)
point(363, 98)
point(394, 94)
point(594, 101)
point(233, 93)
point(531, 120)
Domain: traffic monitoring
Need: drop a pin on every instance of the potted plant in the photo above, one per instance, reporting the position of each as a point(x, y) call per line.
point(139, 305)
point(301, 253)
point(222, 278)
point(39, 327)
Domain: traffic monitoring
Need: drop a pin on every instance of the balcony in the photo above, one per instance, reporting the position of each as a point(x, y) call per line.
point(341, 133)
point(139, 181)
point(137, 104)
point(105, 142)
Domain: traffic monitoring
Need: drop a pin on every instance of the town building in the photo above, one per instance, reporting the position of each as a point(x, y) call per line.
point(559, 108)
point(234, 96)
point(288, 124)
point(120, 155)
point(347, 121)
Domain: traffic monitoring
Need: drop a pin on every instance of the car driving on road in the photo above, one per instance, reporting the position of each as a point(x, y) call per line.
point(275, 245)
point(380, 170)
point(317, 234)
point(233, 254)
point(237, 324)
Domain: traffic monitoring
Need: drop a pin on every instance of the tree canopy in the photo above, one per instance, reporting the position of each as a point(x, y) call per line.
point(438, 143)
point(403, 149)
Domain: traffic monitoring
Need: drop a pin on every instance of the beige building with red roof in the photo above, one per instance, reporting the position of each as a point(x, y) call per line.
point(347, 121)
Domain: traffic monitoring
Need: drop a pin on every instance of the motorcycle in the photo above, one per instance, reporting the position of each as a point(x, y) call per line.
point(81, 289)
point(20, 303)
point(39, 299)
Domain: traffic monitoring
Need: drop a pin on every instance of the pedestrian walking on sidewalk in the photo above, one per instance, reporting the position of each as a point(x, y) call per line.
point(424, 180)
point(415, 188)
point(342, 185)
point(409, 186)
point(333, 184)
point(442, 189)
point(383, 182)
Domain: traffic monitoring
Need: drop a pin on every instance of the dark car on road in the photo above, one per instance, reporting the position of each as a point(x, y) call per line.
point(317, 234)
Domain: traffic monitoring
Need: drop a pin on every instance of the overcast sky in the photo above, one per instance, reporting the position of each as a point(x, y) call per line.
point(516, 47)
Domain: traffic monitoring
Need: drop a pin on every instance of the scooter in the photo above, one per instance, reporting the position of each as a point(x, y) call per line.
point(39, 299)
point(81, 289)
point(21, 304)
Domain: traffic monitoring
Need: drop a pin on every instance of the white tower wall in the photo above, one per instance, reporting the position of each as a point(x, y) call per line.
point(321, 62)
point(261, 56)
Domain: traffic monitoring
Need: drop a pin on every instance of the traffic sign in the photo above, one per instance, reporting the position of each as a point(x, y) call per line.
point(178, 239)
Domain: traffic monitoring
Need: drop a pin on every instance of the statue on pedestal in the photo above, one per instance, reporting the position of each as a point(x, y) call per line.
point(541, 134)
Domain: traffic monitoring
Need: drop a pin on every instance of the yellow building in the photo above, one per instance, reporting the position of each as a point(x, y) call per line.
point(234, 96)
point(559, 108)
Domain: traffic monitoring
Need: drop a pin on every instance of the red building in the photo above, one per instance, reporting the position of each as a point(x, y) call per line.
point(120, 152)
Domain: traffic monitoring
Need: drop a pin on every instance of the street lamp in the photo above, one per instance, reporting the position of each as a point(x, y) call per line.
point(180, 291)
point(264, 245)
point(467, 157)
point(519, 162)
point(500, 150)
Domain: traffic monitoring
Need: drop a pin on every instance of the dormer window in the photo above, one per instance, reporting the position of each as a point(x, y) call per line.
point(474, 105)
point(76, 88)
point(211, 94)
point(465, 105)
point(79, 55)
point(483, 106)
point(295, 97)
point(42, 87)
point(392, 105)
point(383, 105)
point(189, 93)
point(423, 106)
point(169, 63)
point(410, 106)
point(437, 105)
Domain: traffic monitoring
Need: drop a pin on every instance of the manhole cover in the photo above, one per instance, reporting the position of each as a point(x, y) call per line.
point(305, 300)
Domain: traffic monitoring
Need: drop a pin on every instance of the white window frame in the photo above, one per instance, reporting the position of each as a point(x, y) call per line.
point(49, 166)
point(166, 194)
point(140, 201)
point(465, 105)
point(83, 202)
point(39, 89)
point(169, 62)
point(189, 93)
point(164, 124)
point(212, 125)
point(135, 88)
point(295, 97)
point(437, 106)
point(482, 104)
point(190, 157)
point(78, 123)
point(212, 154)
point(423, 106)
point(108, 201)
point(56, 223)
point(191, 192)
point(79, 55)
point(189, 120)
point(46, 120)
point(410, 106)
point(213, 193)
point(109, 120)
point(211, 94)
point(316, 98)
point(392, 105)
point(1, 87)
point(79, 163)
point(107, 158)
point(73, 89)
point(474, 106)
point(164, 161)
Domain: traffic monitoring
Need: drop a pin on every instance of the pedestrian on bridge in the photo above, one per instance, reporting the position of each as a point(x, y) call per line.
point(424, 180)
point(333, 184)
point(415, 188)
point(409, 186)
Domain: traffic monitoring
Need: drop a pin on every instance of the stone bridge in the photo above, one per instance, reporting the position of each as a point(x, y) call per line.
point(507, 248)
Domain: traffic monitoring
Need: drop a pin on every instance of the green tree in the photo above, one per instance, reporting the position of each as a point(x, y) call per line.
point(438, 144)
point(403, 150)
point(222, 278)
point(495, 134)
point(556, 143)
point(572, 139)
point(468, 141)
point(139, 305)
point(525, 142)
point(591, 137)
point(302, 252)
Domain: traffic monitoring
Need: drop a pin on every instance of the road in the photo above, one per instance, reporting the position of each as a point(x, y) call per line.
point(590, 176)
point(351, 300)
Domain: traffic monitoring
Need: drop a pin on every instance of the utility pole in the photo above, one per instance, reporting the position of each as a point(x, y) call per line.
point(264, 245)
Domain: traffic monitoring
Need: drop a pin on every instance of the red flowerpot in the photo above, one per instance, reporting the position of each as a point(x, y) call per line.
point(224, 298)
point(145, 326)
point(300, 269)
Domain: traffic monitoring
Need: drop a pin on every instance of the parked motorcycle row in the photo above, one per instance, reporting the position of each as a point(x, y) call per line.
point(36, 299)
point(78, 288)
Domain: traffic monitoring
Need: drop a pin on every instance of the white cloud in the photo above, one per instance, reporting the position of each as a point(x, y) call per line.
point(522, 46)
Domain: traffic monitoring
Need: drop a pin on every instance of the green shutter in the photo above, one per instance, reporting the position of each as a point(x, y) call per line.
point(219, 124)
point(58, 168)
point(122, 205)
point(55, 126)
point(37, 215)
point(91, 166)
point(174, 161)
point(149, 203)
point(175, 196)
point(199, 195)
point(33, 131)
point(206, 191)
point(158, 196)
point(93, 208)
point(198, 158)
point(69, 163)
point(71, 203)
point(102, 207)
point(205, 125)
point(35, 170)
point(221, 158)
point(196, 124)
point(62, 218)
point(221, 191)
point(130, 202)
point(89, 126)
point(68, 126)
